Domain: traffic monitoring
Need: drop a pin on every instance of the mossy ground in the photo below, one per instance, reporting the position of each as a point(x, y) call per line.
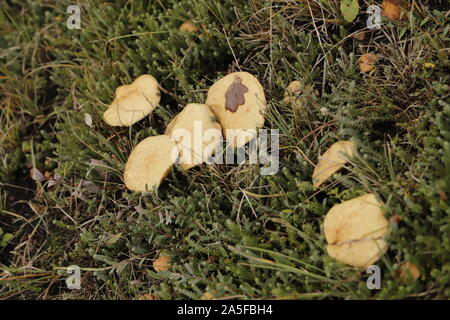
point(233, 233)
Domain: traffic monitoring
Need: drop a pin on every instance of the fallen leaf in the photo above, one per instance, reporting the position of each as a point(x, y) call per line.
point(394, 10)
point(360, 36)
point(367, 62)
point(36, 175)
point(234, 96)
point(113, 239)
point(207, 296)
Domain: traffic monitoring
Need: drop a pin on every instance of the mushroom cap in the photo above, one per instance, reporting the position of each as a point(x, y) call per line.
point(244, 95)
point(133, 102)
point(188, 27)
point(196, 133)
point(161, 264)
point(292, 90)
point(332, 160)
point(355, 231)
point(149, 163)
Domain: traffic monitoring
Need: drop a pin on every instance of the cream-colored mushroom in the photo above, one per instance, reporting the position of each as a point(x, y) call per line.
point(133, 102)
point(188, 27)
point(196, 133)
point(238, 101)
point(355, 231)
point(149, 163)
point(332, 160)
point(292, 91)
point(162, 263)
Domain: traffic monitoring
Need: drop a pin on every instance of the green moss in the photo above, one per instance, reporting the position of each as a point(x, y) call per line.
point(222, 239)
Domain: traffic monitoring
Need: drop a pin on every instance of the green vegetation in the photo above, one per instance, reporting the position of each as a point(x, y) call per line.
point(232, 232)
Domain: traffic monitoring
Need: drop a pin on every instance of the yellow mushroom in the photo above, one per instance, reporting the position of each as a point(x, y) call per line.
point(188, 27)
point(355, 231)
point(196, 133)
point(367, 62)
point(149, 163)
point(332, 160)
point(133, 102)
point(239, 103)
point(162, 263)
point(292, 91)
point(394, 10)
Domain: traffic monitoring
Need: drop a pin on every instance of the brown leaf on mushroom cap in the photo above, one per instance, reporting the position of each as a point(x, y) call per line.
point(196, 133)
point(332, 160)
point(408, 271)
point(133, 102)
point(240, 126)
point(161, 264)
point(394, 10)
point(355, 231)
point(234, 97)
point(188, 27)
point(367, 62)
point(149, 163)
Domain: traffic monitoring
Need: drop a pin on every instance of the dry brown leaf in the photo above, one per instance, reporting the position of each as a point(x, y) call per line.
point(408, 271)
point(36, 175)
point(394, 10)
point(196, 133)
point(332, 160)
point(207, 296)
point(355, 231)
point(149, 163)
point(133, 102)
point(367, 62)
point(161, 264)
point(241, 125)
point(360, 36)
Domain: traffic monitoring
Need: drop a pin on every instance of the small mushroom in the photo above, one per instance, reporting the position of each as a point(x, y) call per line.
point(161, 264)
point(367, 62)
point(355, 231)
point(196, 133)
point(238, 101)
point(332, 160)
point(133, 102)
point(188, 27)
point(148, 296)
point(292, 91)
point(394, 10)
point(149, 163)
point(207, 296)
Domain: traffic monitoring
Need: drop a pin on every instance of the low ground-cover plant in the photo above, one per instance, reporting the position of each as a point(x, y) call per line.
point(229, 231)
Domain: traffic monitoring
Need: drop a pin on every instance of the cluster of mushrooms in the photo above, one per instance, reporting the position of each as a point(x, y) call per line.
point(354, 229)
